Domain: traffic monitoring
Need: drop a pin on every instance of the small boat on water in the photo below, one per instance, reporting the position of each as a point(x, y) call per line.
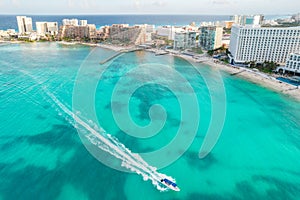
point(170, 184)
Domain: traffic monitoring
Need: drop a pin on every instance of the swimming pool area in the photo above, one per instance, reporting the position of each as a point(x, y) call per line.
point(292, 81)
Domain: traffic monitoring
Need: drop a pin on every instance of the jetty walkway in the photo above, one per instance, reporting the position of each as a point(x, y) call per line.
point(119, 53)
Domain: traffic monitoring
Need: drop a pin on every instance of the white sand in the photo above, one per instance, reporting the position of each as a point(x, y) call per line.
point(260, 78)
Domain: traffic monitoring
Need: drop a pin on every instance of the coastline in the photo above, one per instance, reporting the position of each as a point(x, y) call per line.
point(259, 78)
point(105, 46)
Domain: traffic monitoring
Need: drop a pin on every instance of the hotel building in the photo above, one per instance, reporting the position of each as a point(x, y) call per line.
point(184, 40)
point(70, 22)
point(43, 28)
point(168, 31)
point(293, 63)
point(210, 37)
point(252, 43)
point(83, 23)
point(24, 24)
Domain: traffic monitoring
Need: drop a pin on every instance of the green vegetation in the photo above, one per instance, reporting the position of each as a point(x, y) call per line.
point(67, 39)
point(43, 40)
point(266, 67)
point(197, 50)
point(25, 40)
point(219, 50)
point(227, 30)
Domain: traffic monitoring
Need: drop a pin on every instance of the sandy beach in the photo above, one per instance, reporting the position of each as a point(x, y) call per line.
point(259, 78)
point(262, 79)
point(256, 77)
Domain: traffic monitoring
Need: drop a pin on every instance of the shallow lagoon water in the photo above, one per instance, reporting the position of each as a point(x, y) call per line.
point(42, 156)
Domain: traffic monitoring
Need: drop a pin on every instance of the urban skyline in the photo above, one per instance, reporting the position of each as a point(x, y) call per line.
point(217, 7)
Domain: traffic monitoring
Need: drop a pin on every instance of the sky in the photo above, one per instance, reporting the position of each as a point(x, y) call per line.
point(199, 7)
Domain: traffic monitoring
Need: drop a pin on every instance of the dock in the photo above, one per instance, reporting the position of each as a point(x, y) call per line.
point(110, 58)
point(119, 53)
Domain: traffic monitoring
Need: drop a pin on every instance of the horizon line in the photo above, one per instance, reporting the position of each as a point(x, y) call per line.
point(64, 14)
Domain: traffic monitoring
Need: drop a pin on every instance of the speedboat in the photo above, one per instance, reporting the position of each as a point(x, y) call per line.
point(170, 184)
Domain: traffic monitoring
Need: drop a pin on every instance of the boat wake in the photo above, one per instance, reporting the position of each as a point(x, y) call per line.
point(108, 143)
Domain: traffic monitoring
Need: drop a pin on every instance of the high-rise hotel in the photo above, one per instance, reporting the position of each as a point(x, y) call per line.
point(259, 44)
point(24, 24)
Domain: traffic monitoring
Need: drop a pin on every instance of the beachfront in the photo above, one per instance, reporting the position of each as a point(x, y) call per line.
point(260, 78)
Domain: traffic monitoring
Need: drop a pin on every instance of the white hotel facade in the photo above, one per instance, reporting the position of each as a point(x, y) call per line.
point(252, 43)
point(24, 24)
point(292, 64)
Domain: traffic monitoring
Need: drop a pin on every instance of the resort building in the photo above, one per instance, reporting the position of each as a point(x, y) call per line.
point(168, 31)
point(292, 64)
point(123, 33)
point(184, 40)
point(252, 43)
point(44, 28)
point(70, 22)
point(83, 22)
point(24, 24)
point(146, 34)
point(210, 37)
point(78, 32)
point(8, 34)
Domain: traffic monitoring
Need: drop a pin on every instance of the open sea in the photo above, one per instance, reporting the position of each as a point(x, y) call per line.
point(10, 21)
point(55, 99)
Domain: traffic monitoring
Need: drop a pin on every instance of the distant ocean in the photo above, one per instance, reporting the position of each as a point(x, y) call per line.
point(9, 21)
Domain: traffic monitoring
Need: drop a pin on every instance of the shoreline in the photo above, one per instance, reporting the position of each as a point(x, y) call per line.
point(255, 77)
point(259, 78)
point(262, 79)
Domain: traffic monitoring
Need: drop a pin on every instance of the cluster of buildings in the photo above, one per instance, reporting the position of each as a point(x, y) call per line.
point(249, 38)
point(43, 29)
point(71, 28)
point(74, 29)
point(125, 34)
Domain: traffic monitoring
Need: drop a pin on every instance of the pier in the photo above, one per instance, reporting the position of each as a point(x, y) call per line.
point(119, 53)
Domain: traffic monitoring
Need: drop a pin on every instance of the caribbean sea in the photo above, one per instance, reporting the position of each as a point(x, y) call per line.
point(147, 102)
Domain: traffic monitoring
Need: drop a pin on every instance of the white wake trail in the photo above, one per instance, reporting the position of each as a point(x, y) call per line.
point(131, 161)
point(108, 143)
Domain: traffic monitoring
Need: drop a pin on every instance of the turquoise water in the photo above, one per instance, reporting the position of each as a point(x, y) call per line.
point(42, 156)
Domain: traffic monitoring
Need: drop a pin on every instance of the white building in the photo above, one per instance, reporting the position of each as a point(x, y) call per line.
point(24, 24)
point(83, 23)
point(43, 28)
point(250, 43)
point(292, 63)
point(147, 31)
point(71, 22)
point(149, 28)
point(168, 31)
